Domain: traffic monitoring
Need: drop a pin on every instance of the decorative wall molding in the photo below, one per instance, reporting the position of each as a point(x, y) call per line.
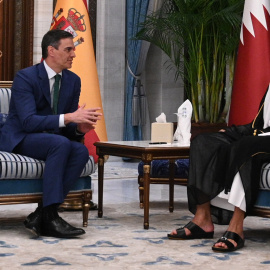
point(1, 40)
point(16, 33)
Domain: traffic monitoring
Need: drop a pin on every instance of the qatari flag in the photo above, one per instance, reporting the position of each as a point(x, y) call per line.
point(252, 73)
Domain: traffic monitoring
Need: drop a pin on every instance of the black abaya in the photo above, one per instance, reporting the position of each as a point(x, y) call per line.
point(216, 158)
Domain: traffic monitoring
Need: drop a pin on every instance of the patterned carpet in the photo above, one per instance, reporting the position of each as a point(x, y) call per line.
point(118, 241)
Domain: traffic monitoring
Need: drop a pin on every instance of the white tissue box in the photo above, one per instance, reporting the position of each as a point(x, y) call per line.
point(162, 132)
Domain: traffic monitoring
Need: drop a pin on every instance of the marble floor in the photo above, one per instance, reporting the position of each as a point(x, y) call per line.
point(126, 190)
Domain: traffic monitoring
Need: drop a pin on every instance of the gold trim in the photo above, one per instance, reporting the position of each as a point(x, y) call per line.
point(257, 116)
point(261, 212)
point(253, 156)
point(147, 157)
point(1, 54)
point(72, 205)
point(146, 168)
point(101, 161)
point(6, 84)
point(259, 153)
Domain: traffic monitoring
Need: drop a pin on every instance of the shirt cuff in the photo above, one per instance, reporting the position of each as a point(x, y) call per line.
point(62, 121)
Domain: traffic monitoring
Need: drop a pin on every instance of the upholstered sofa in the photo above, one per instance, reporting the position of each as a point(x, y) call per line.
point(21, 176)
point(160, 175)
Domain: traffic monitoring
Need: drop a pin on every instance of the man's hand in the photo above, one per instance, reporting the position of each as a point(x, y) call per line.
point(84, 128)
point(85, 118)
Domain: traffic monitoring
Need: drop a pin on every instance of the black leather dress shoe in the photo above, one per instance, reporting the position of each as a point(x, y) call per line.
point(59, 228)
point(33, 222)
point(93, 206)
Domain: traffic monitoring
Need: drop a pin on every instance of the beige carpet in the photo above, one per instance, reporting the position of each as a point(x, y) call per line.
point(118, 241)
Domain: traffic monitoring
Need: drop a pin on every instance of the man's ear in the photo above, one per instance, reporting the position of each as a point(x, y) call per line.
point(51, 50)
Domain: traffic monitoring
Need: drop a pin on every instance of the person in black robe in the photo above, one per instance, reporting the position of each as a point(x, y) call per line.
point(215, 159)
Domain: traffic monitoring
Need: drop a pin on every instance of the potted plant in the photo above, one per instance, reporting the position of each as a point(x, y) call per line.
point(201, 39)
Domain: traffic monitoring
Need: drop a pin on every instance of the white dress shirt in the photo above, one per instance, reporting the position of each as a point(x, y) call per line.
point(51, 73)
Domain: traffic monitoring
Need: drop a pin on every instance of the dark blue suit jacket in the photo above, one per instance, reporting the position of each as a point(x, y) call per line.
point(30, 106)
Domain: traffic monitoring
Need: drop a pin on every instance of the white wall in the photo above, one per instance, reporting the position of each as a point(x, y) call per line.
point(110, 58)
point(163, 92)
point(43, 10)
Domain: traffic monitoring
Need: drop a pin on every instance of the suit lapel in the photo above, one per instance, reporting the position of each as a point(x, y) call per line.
point(65, 88)
point(44, 82)
point(64, 94)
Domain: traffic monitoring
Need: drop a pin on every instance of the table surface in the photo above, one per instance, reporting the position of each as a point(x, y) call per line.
point(143, 144)
point(141, 150)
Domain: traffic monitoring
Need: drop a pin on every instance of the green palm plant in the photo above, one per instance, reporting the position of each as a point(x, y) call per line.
point(201, 38)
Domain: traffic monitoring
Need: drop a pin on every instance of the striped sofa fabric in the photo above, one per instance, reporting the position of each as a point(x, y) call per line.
point(14, 166)
point(5, 94)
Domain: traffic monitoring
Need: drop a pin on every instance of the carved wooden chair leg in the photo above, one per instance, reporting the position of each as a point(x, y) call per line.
point(87, 197)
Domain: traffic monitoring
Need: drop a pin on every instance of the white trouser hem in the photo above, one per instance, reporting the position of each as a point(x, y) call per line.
point(235, 198)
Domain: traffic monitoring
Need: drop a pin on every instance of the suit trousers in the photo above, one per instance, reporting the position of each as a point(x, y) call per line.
point(64, 162)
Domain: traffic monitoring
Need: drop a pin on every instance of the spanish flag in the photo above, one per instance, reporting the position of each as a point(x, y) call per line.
point(72, 16)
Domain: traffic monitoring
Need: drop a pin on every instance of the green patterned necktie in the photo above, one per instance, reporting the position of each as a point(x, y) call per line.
point(56, 92)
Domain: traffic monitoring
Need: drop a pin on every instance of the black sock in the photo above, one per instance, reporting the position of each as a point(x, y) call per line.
point(50, 212)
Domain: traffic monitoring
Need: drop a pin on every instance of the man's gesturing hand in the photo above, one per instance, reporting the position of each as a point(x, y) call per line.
point(85, 118)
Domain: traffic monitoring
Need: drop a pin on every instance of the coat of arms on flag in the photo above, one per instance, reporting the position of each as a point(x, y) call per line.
point(72, 23)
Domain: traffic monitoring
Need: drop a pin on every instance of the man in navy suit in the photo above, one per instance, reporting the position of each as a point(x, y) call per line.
point(49, 127)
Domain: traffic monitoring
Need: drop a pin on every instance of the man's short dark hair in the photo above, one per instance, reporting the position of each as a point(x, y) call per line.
point(52, 38)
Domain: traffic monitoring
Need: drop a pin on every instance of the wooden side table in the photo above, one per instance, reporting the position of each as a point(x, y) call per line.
point(147, 153)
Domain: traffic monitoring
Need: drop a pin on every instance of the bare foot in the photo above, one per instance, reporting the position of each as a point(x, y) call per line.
point(206, 226)
point(202, 219)
point(236, 226)
point(223, 245)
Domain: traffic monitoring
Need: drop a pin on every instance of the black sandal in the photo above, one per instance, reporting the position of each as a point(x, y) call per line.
point(196, 233)
point(224, 239)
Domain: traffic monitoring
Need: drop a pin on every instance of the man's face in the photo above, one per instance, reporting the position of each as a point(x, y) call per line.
point(63, 56)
